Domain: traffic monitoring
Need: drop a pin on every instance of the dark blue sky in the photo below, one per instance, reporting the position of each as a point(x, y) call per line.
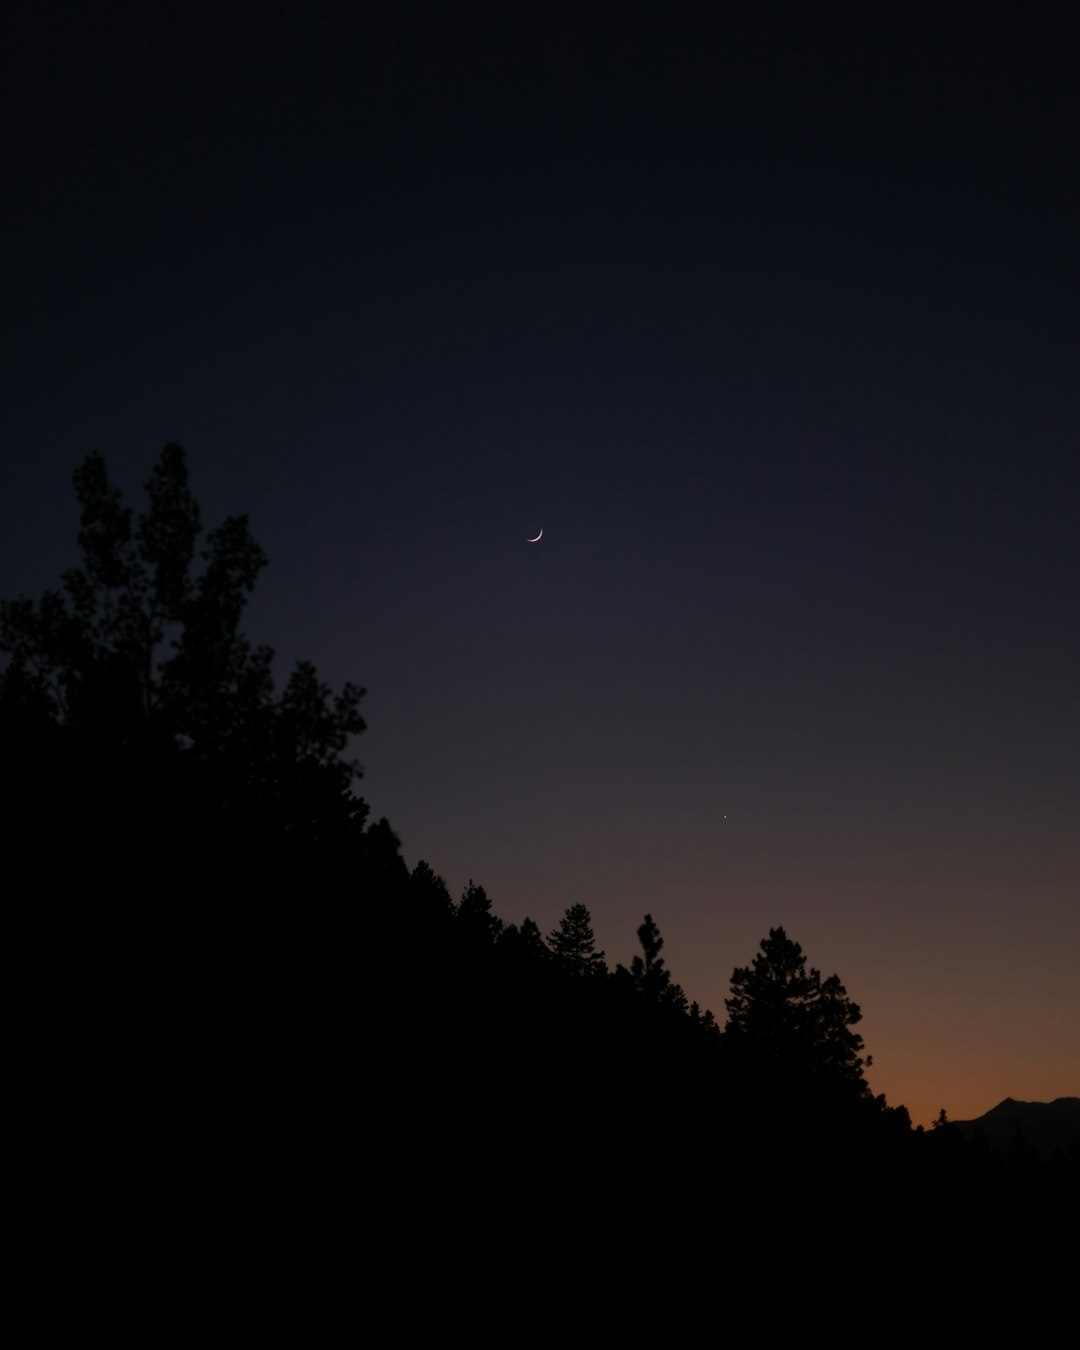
point(767, 318)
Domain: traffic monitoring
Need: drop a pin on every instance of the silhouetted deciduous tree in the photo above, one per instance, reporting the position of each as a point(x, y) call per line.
point(141, 654)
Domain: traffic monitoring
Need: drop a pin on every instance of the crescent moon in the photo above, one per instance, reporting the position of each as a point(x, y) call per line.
point(537, 539)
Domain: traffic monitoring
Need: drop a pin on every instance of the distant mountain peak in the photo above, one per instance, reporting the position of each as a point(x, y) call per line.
point(1042, 1126)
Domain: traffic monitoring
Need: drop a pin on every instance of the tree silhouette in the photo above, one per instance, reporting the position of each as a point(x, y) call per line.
point(574, 944)
point(792, 1018)
point(705, 1020)
point(531, 939)
point(526, 942)
point(139, 657)
point(648, 971)
point(475, 913)
point(429, 890)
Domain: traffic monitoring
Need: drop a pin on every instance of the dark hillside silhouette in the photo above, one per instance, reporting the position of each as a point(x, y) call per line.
point(257, 1061)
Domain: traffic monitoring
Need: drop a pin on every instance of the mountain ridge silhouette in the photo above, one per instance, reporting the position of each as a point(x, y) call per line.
point(1046, 1127)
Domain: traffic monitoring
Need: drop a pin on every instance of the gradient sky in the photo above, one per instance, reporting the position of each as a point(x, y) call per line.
point(767, 317)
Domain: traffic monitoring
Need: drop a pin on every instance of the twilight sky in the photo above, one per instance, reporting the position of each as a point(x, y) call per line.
point(767, 317)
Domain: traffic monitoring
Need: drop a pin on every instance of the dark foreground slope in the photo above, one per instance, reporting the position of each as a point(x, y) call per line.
point(265, 1083)
point(272, 1074)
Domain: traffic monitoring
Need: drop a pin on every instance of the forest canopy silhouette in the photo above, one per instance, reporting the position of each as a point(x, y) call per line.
point(141, 652)
point(241, 1024)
